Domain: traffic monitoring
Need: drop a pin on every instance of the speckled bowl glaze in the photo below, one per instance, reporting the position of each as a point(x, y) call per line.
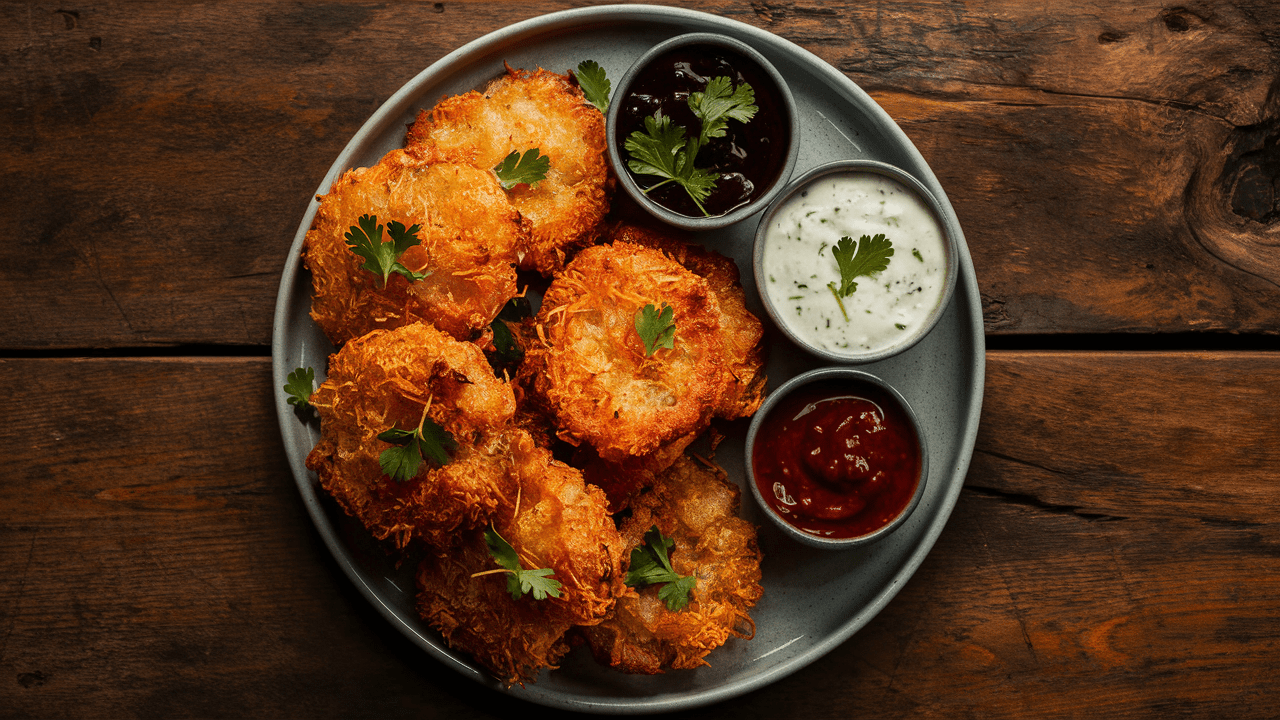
point(632, 188)
point(853, 377)
point(806, 180)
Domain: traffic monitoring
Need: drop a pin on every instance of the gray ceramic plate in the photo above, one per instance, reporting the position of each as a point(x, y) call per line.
point(813, 599)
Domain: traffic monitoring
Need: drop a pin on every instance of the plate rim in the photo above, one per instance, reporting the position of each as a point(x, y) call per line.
point(387, 113)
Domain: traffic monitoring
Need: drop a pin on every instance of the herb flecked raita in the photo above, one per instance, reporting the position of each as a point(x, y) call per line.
point(856, 262)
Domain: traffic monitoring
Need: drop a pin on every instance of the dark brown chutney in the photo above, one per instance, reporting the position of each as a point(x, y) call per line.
point(748, 158)
point(837, 459)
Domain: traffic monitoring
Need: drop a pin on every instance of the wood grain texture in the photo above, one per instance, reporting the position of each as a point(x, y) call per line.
point(157, 157)
point(1114, 552)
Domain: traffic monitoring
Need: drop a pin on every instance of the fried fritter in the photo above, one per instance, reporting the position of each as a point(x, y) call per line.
point(387, 379)
point(590, 373)
point(517, 112)
point(742, 331)
point(698, 508)
point(558, 522)
point(470, 238)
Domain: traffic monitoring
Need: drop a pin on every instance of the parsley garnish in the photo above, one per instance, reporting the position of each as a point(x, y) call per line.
point(650, 566)
point(594, 83)
point(301, 381)
point(507, 353)
point(664, 151)
point(401, 461)
point(518, 169)
point(507, 350)
point(519, 580)
point(719, 103)
point(657, 328)
point(871, 255)
point(383, 258)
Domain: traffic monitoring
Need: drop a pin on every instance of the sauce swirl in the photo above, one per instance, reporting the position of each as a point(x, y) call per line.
point(837, 460)
point(748, 158)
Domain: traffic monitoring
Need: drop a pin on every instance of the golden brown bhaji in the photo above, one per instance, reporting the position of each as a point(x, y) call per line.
point(698, 508)
point(742, 331)
point(470, 236)
point(515, 113)
point(387, 379)
point(590, 373)
point(557, 522)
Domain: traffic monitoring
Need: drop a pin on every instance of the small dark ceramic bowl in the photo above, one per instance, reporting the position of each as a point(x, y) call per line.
point(784, 101)
point(782, 316)
point(856, 381)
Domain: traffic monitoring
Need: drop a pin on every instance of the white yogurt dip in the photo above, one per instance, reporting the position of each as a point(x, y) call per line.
point(799, 269)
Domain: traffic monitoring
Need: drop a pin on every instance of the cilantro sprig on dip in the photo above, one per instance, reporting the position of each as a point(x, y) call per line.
point(870, 256)
point(664, 150)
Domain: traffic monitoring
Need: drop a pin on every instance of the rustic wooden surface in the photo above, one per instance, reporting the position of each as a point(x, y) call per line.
point(1115, 550)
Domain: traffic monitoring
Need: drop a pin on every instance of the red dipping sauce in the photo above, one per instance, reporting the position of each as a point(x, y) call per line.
point(837, 459)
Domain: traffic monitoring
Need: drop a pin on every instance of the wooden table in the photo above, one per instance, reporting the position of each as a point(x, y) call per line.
point(1115, 550)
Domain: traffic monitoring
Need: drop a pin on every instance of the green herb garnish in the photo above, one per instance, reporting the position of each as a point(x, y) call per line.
point(520, 581)
point(527, 169)
point(594, 83)
point(719, 103)
point(650, 566)
point(507, 353)
point(871, 255)
point(656, 328)
point(383, 258)
point(664, 151)
point(299, 386)
point(409, 447)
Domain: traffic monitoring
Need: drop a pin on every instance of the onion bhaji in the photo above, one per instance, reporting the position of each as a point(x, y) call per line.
point(742, 331)
point(697, 507)
point(470, 238)
point(389, 378)
point(591, 374)
point(557, 522)
point(518, 112)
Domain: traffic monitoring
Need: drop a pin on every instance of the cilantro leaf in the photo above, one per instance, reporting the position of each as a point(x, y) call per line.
point(656, 328)
point(650, 565)
point(301, 382)
point(520, 581)
point(594, 83)
point(662, 150)
point(401, 461)
point(383, 258)
point(409, 447)
point(517, 169)
point(720, 102)
point(507, 354)
point(676, 592)
point(507, 351)
point(871, 255)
